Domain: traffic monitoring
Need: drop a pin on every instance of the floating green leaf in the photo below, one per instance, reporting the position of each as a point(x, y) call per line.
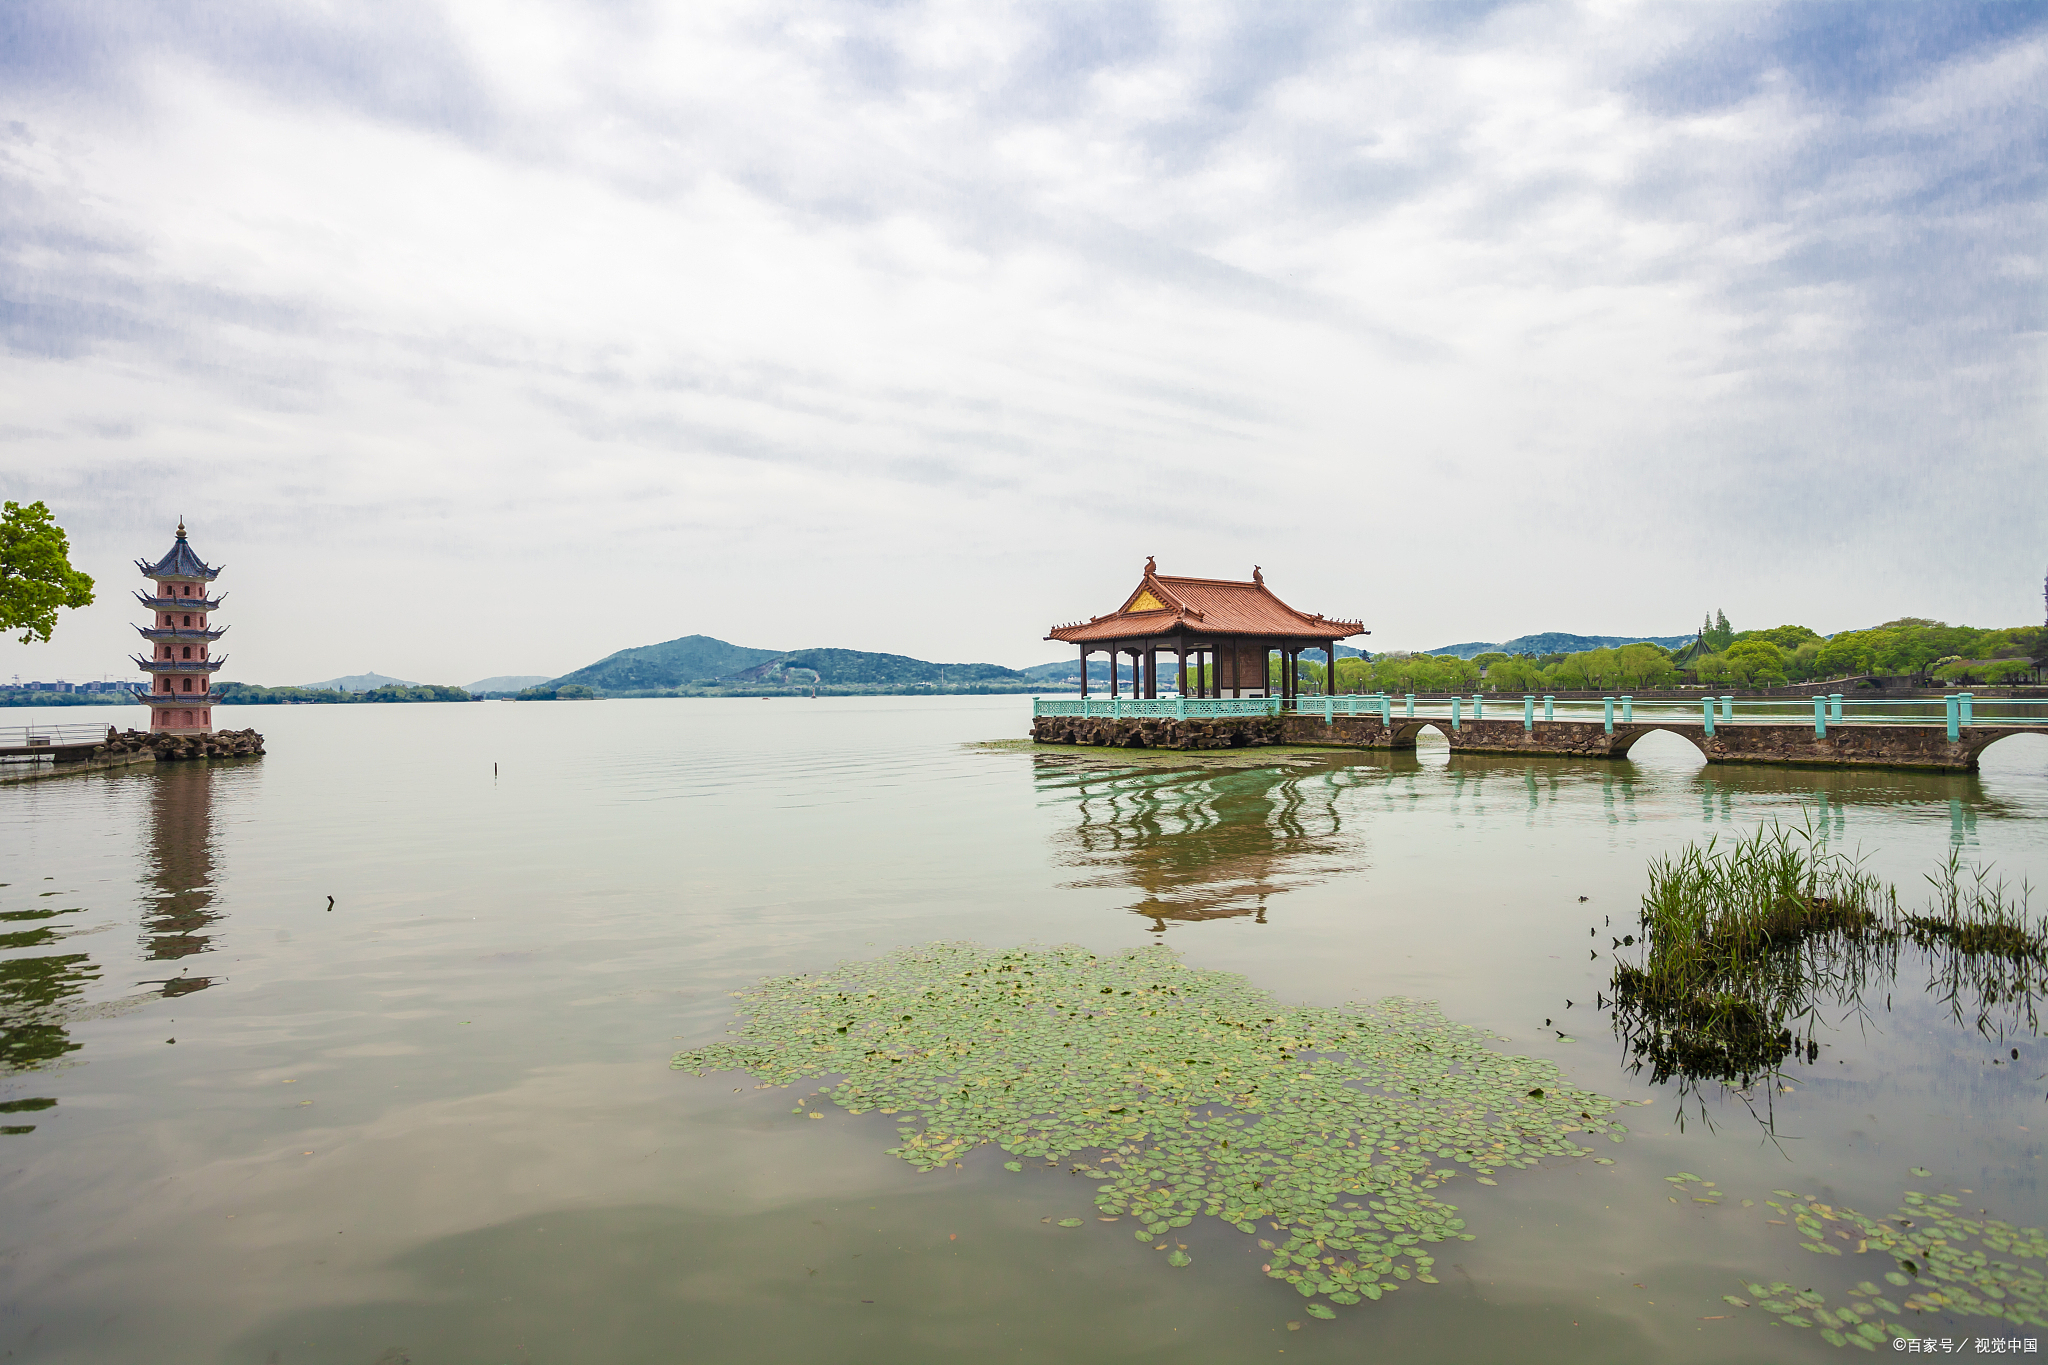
point(1922, 1171)
point(1070, 1222)
point(1192, 1093)
point(1321, 1310)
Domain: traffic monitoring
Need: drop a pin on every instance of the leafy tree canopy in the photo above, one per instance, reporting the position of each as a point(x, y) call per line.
point(36, 577)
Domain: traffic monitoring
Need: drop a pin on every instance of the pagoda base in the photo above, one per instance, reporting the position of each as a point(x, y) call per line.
point(168, 745)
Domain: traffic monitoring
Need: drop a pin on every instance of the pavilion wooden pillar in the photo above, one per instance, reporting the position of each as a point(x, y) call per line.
point(1084, 670)
point(1180, 673)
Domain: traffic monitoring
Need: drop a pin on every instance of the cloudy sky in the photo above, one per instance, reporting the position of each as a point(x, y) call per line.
point(490, 336)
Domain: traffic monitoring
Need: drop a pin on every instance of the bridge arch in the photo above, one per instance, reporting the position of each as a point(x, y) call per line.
point(1625, 743)
point(1977, 750)
point(1406, 735)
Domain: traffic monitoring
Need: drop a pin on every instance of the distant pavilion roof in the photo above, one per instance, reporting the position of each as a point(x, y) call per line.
point(180, 563)
point(1165, 604)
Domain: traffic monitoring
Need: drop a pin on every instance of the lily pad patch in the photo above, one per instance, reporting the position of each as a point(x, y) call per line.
point(1192, 1094)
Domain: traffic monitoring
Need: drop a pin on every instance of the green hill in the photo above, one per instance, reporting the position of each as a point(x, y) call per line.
point(856, 668)
point(670, 664)
point(700, 663)
point(1557, 642)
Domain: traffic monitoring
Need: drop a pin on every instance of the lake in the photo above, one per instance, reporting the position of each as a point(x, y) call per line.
point(437, 1122)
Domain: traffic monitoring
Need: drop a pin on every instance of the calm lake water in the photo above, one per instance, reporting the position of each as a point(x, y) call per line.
point(437, 1122)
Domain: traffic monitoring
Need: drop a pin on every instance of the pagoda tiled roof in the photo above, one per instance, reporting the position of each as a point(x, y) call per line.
point(1163, 603)
point(180, 562)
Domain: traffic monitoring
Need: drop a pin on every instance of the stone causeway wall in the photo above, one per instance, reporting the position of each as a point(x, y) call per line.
point(1793, 743)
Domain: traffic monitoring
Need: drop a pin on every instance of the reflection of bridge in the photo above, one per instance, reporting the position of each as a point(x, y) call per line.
point(1857, 733)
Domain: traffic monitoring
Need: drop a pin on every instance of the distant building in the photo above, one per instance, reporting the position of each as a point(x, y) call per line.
point(181, 663)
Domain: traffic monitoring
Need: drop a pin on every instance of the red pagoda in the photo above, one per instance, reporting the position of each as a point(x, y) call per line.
point(180, 665)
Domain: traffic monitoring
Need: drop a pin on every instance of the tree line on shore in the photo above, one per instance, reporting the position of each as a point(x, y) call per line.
point(1913, 647)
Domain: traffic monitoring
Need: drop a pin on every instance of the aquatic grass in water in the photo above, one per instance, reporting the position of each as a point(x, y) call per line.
point(1191, 1092)
point(1743, 941)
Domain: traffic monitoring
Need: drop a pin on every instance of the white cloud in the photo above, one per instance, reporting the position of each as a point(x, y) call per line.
point(542, 330)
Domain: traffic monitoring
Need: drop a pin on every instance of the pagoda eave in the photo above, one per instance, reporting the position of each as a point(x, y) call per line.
point(180, 603)
point(179, 635)
point(177, 666)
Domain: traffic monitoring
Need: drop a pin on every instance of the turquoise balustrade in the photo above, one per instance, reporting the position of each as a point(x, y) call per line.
point(1528, 713)
point(1707, 714)
point(1550, 708)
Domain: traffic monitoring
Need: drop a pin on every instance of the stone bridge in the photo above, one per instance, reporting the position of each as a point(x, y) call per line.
point(1861, 745)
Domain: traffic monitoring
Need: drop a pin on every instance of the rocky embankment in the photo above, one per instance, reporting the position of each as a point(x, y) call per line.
point(213, 744)
point(1234, 732)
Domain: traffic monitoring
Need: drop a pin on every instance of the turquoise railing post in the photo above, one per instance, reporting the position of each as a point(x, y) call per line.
point(1116, 708)
point(1386, 709)
point(1835, 705)
point(1966, 699)
point(1628, 710)
point(1180, 708)
point(1528, 713)
point(1609, 701)
point(1456, 704)
point(1820, 717)
point(1727, 708)
point(1411, 703)
point(1707, 714)
point(1955, 716)
point(1329, 710)
point(1478, 708)
point(1550, 708)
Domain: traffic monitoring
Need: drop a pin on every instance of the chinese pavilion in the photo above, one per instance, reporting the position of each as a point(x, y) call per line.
point(1222, 630)
point(180, 665)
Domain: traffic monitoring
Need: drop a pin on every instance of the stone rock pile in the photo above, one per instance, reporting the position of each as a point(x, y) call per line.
point(213, 744)
point(1235, 732)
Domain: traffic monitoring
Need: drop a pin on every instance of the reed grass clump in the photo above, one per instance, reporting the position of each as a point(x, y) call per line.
point(1744, 940)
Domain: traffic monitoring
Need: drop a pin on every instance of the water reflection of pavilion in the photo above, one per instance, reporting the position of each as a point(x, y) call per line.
point(1199, 843)
point(177, 918)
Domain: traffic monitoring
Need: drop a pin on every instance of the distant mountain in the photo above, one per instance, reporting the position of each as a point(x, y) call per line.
point(657, 668)
point(356, 682)
point(1558, 642)
point(509, 682)
point(855, 668)
point(699, 659)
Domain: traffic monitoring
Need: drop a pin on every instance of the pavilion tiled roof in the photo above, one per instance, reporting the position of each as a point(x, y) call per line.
point(1207, 606)
point(181, 562)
